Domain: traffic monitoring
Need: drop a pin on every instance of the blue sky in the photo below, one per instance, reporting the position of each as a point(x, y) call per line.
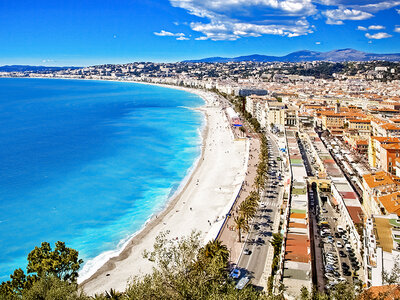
point(87, 32)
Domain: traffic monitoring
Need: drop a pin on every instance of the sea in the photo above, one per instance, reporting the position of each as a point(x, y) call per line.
point(89, 163)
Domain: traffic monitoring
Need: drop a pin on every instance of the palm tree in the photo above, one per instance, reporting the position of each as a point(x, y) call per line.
point(248, 209)
point(241, 224)
point(259, 183)
point(276, 242)
point(114, 295)
point(216, 249)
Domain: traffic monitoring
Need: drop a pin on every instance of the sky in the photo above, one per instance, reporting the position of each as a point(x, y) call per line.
point(89, 32)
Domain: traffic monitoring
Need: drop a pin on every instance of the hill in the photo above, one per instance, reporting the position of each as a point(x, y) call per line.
point(339, 55)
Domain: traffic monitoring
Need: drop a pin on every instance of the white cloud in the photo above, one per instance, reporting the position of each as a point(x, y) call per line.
point(318, 43)
point(234, 19)
point(337, 16)
point(229, 30)
point(398, 11)
point(376, 27)
point(182, 38)
point(378, 36)
point(167, 33)
point(370, 6)
point(397, 29)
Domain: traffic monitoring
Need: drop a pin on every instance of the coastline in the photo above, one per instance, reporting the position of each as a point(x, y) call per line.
point(111, 274)
point(99, 262)
point(220, 167)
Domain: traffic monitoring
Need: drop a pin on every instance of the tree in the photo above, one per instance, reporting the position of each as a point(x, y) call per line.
point(215, 249)
point(63, 262)
point(392, 277)
point(185, 270)
point(241, 224)
point(247, 209)
point(51, 287)
point(43, 264)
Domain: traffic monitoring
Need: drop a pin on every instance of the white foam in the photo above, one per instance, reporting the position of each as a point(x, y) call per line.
point(91, 266)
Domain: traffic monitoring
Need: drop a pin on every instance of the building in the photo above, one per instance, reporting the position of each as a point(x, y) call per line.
point(374, 149)
point(376, 185)
point(381, 247)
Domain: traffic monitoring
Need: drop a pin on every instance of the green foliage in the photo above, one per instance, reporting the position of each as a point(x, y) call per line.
point(63, 262)
point(392, 277)
point(185, 270)
point(44, 265)
point(51, 287)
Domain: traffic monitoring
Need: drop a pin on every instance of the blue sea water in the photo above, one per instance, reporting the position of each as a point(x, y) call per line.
point(88, 162)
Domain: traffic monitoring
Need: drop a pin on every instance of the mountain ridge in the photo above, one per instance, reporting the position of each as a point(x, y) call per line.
point(339, 55)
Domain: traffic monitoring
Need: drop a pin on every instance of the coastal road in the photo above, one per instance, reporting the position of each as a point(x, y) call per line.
point(257, 243)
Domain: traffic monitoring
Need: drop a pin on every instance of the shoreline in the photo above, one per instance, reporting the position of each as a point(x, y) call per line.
point(116, 266)
point(223, 159)
point(152, 221)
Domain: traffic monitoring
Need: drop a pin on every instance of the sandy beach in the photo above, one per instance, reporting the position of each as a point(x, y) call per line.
point(201, 205)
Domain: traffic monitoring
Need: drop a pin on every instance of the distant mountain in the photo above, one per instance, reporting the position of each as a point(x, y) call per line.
point(340, 55)
point(24, 68)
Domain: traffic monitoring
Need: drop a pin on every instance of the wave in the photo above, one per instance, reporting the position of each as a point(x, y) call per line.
point(92, 265)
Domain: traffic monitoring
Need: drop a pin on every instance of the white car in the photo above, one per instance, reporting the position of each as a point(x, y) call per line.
point(340, 229)
point(348, 247)
point(339, 244)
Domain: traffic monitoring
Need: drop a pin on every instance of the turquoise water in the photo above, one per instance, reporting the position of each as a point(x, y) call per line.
point(88, 162)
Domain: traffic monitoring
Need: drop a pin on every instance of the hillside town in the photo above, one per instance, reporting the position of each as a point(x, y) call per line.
point(334, 173)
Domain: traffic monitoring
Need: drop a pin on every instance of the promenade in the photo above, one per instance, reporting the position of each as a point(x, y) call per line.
point(228, 234)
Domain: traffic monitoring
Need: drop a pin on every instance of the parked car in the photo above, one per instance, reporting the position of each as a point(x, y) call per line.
point(329, 276)
point(348, 247)
point(340, 229)
point(235, 274)
point(346, 273)
point(339, 244)
point(342, 254)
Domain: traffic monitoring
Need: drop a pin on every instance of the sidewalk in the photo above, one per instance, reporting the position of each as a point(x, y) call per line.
point(228, 234)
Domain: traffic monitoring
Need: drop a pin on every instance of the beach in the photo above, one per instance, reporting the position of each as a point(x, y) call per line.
point(200, 205)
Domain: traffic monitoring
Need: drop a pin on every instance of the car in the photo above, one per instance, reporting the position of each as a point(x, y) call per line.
point(329, 276)
point(339, 244)
point(256, 227)
point(342, 254)
point(331, 260)
point(346, 273)
point(341, 279)
point(324, 210)
point(331, 257)
point(337, 235)
point(332, 266)
point(246, 251)
point(345, 266)
point(235, 274)
point(260, 241)
point(242, 282)
point(329, 239)
point(340, 229)
point(348, 247)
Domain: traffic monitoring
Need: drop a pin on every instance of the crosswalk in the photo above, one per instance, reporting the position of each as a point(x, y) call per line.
point(271, 203)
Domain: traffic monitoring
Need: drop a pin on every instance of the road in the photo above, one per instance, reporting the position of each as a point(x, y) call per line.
point(323, 212)
point(257, 241)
